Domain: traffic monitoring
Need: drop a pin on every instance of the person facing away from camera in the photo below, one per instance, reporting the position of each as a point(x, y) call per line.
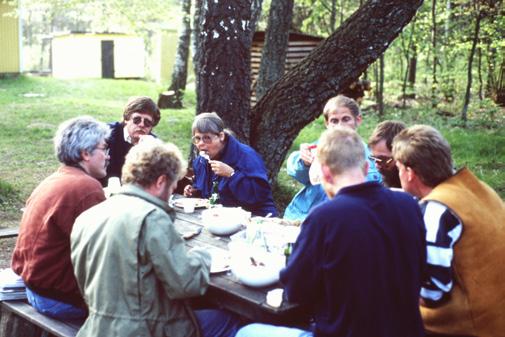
point(465, 234)
point(357, 265)
point(42, 252)
point(140, 116)
point(236, 169)
point(339, 110)
point(381, 146)
point(131, 264)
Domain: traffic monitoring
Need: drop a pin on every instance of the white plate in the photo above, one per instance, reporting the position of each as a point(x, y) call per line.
point(199, 202)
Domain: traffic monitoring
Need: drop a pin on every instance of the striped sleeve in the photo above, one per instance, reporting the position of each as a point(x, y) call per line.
point(443, 229)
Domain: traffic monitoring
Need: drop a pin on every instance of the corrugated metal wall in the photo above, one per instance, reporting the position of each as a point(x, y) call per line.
point(9, 41)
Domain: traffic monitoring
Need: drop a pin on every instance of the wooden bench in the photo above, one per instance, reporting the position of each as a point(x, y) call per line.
point(20, 319)
point(9, 232)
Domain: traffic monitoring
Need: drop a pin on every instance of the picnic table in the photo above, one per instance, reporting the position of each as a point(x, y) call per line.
point(225, 291)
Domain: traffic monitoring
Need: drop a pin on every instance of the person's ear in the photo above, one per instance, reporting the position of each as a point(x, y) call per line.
point(326, 174)
point(85, 155)
point(160, 181)
point(359, 119)
point(221, 136)
point(366, 167)
point(411, 174)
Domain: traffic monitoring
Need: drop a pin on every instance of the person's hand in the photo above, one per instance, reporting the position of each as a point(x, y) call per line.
point(306, 154)
point(188, 191)
point(221, 169)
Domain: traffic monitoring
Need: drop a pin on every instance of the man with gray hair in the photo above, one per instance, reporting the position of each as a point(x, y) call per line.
point(465, 234)
point(131, 263)
point(356, 267)
point(42, 253)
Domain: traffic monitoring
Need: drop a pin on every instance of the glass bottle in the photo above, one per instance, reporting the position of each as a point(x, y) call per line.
point(214, 197)
point(287, 251)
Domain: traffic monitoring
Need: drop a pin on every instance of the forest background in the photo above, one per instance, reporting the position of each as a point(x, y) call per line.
point(446, 69)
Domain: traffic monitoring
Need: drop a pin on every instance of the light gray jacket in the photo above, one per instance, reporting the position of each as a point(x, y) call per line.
point(134, 270)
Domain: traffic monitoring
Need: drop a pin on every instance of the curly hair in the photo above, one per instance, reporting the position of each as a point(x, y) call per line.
point(150, 159)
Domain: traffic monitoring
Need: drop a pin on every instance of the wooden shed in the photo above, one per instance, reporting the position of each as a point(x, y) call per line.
point(299, 46)
point(10, 40)
point(92, 55)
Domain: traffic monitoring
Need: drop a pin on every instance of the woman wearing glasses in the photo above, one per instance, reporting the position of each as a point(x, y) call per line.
point(140, 116)
point(237, 170)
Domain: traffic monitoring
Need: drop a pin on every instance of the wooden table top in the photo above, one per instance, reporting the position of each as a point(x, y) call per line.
point(225, 291)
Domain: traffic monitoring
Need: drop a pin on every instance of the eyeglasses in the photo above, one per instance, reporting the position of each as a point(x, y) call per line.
point(381, 160)
point(207, 139)
point(147, 122)
point(105, 150)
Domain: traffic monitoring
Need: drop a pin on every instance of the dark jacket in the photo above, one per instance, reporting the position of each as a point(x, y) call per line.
point(248, 187)
point(358, 262)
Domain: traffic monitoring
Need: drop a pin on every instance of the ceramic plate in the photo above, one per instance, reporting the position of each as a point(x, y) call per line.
point(199, 203)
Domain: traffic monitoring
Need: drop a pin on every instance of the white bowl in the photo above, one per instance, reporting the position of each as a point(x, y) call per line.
point(264, 273)
point(224, 220)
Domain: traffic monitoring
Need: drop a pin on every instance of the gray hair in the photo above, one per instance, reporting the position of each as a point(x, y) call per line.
point(207, 122)
point(78, 134)
point(341, 101)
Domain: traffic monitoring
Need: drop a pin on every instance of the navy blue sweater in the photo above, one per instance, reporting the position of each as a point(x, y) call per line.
point(358, 262)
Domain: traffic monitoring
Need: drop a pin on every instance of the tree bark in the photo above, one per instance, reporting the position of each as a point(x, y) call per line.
point(299, 96)
point(380, 93)
point(466, 102)
point(196, 43)
point(223, 82)
point(180, 71)
point(273, 56)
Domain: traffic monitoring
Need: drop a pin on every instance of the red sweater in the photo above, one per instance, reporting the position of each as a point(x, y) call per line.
point(42, 252)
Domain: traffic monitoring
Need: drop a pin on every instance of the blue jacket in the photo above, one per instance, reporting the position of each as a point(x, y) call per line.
point(311, 195)
point(247, 188)
point(357, 265)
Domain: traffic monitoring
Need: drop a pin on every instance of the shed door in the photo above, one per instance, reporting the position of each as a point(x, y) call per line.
point(108, 59)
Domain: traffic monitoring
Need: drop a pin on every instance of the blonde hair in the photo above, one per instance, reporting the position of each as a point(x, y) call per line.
point(150, 159)
point(341, 149)
point(425, 150)
point(341, 101)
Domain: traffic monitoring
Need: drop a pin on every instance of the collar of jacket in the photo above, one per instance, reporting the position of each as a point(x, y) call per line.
point(139, 192)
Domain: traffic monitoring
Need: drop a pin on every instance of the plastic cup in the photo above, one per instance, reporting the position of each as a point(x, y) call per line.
point(188, 206)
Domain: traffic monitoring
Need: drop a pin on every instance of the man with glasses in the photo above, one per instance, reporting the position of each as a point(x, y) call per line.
point(42, 253)
point(380, 143)
point(339, 110)
point(140, 116)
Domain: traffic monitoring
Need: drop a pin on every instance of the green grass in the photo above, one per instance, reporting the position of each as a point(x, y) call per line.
point(28, 125)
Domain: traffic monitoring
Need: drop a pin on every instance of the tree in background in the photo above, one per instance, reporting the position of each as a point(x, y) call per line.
point(273, 57)
point(298, 97)
point(223, 80)
point(173, 97)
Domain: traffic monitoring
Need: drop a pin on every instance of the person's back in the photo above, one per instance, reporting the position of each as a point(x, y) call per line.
point(366, 251)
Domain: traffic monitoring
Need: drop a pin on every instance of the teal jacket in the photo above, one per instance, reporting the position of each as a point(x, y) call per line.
point(134, 270)
point(311, 195)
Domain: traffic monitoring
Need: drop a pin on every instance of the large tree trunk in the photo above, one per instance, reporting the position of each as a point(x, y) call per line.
point(273, 57)
point(223, 82)
point(470, 63)
point(299, 96)
point(173, 98)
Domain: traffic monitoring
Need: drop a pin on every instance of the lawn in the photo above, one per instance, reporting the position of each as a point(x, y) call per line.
point(32, 107)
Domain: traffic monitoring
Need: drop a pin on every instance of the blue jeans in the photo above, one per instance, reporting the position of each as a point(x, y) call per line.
point(217, 323)
point(267, 330)
point(54, 308)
